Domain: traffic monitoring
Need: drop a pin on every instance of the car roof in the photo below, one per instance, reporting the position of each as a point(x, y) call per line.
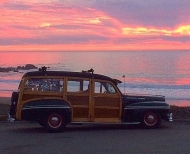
point(82, 74)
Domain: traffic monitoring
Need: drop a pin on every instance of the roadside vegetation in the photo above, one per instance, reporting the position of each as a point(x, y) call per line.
point(180, 113)
point(4, 108)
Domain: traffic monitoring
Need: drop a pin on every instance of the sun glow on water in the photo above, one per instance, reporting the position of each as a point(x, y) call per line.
point(158, 73)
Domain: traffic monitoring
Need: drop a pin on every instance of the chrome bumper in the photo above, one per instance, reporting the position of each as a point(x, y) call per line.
point(10, 119)
point(170, 117)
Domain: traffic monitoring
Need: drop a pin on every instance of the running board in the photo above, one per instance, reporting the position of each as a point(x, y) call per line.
point(104, 123)
point(10, 119)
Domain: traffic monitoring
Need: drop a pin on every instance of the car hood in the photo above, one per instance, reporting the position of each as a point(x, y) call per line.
point(134, 98)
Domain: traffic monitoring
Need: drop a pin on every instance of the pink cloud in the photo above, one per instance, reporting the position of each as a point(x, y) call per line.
point(52, 22)
point(4, 1)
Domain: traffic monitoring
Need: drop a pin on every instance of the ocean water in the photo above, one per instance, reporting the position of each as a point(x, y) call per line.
point(148, 72)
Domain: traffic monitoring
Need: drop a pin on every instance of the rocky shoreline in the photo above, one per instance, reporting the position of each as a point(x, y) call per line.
point(18, 68)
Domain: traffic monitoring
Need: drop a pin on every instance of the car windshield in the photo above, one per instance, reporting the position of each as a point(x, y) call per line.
point(104, 87)
point(19, 87)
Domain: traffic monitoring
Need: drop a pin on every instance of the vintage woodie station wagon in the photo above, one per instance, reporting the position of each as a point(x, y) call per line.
point(57, 98)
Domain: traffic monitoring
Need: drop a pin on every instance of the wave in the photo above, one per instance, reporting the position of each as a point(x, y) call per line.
point(9, 81)
point(155, 86)
point(170, 91)
point(7, 90)
point(180, 99)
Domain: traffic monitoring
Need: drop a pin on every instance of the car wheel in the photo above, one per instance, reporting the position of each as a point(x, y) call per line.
point(151, 120)
point(55, 122)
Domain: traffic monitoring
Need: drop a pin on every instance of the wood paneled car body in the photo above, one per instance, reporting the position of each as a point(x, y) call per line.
point(57, 98)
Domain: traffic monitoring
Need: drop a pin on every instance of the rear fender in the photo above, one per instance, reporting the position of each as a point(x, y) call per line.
point(37, 110)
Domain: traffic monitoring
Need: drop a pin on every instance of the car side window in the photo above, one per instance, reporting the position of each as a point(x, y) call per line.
point(44, 84)
point(104, 87)
point(77, 85)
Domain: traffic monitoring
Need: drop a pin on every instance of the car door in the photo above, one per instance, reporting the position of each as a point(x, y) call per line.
point(106, 102)
point(78, 95)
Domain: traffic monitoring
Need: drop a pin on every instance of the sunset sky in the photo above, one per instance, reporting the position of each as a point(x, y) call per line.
point(65, 25)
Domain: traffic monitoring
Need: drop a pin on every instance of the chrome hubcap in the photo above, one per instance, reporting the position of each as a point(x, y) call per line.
point(55, 121)
point(150, 119)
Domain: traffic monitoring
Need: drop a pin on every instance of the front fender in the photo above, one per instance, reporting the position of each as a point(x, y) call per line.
point(133, 112)
point(149, 104)
point(36, 110)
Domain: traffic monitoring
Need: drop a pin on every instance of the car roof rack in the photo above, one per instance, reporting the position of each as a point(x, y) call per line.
point(43, 69)
point(88, 71)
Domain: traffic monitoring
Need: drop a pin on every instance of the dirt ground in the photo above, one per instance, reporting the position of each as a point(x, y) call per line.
point(25, 137)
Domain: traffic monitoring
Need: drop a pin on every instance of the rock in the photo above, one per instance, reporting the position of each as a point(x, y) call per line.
point(8, 69)
point(30, 66)
point(26, 67)
point(20, 68)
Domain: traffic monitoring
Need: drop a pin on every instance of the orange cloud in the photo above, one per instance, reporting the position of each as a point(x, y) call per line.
point(181, 30)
